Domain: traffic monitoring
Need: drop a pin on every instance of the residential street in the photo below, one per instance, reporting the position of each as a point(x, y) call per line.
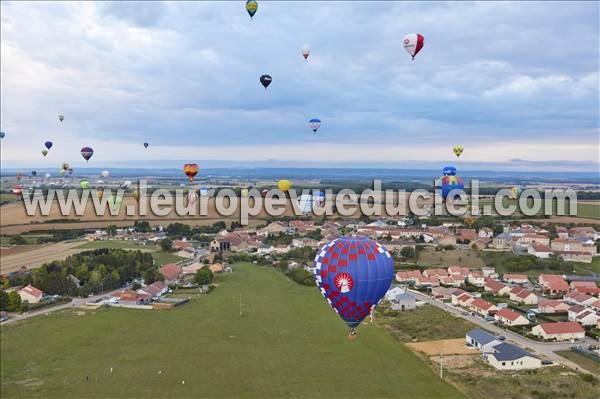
point(544, 349)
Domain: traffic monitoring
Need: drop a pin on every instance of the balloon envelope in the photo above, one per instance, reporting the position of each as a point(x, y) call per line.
point(251, 7)
point(48, 144)
point(450, 183)
point(353, 274)
point(244, 192)
point(284, 185)
point(315, 124)
point(305, 51)
point(2, 134)
point(266, 80)
point(146, 145)
point(192, 197)
point(33, 173)
point(61, 117)
point(458, 150)
point(47, 175)
point(44, 152)
point(190, 170)
point(84, 184)
point(105, 173)
point(204, 191)
point(449, 171)
point(86, 153)
point(413, 43)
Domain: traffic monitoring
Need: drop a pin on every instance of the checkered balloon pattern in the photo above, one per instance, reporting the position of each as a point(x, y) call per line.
point(353, 274)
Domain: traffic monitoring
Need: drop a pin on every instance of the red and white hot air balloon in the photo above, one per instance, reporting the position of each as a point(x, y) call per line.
point(192, 196)
point(413, 43)
point(305, 51)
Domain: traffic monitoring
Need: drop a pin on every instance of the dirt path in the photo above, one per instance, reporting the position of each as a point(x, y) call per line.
point(36, 257)
point(445, 346)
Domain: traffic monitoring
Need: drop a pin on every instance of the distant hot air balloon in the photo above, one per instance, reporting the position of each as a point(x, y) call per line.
point(61, 117)
point(84, 184)
point(192, 197)
point(449, 171)
point(105, 173)
point(305, 51)
point(266, 80)
point(2, 135)
point(47, 175)
point(33, 173)
point(515, 191)
point(353, 274)
point(65, 166)
point(86, 153)
point(315, 124)
point(413, 43)
point(146, 145)
point(203, 191)
point(70, 171)
point(18, 175)
point(190, 170)
point(251, 7)
point(244, 192)
point(99, 194)
point(62, 172)
point(458, 150)
point(136, 195)
point(17, 190)
point(44, 152)
point(48, 144)
point(264, 192)
point(284, 185)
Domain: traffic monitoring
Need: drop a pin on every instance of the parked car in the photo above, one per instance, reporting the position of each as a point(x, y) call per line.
point(501, 337)
point(489, 318)
point(547, 362)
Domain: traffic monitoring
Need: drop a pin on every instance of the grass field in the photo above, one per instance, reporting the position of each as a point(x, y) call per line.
point(581, 360)
point(468, 258)
point(160, 257)
point(585, 209)
point(288, 343)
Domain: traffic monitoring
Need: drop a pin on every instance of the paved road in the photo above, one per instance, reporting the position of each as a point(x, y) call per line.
point(75, 303)
point(545, 349)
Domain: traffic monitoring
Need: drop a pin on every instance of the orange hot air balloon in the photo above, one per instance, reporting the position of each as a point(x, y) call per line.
point(190, 170)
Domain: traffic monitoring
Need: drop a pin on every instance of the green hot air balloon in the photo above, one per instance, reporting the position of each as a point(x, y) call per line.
point(84, 184)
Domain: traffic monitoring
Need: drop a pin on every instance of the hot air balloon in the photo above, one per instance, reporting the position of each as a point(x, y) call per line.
point(515, 191)
point(353, 274)
point(65, 166)
point(458, 149)
point(251, 7)
point(266, 80)
point(44, 152)
point(244, 192)
point(105, 173)
point(284, 185)
point(33, 173)
point(84, 184)
point(190, 170)
point(70, 171)
point(86, 153)
point(2, 134)
point(305, 51)
point(18, 175)
point(449, 171)
point(450, 183)
point(192, 197)
point(315, 124)
point(62, 172)
point(47, 175)
point(136, 195)
point(413, 43)
point(146, 145)
point(17, 190)
point(203, 191)
point(99, 193)
point(48, 144)
point(61, 117)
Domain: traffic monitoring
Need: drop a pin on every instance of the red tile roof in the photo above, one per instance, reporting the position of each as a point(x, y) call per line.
point(508, 314)
point(494, 285)
point(481, 304)
point(31, 290)
point(562, 327)
point(170, 271)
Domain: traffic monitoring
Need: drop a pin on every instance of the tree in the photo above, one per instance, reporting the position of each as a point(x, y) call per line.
point(111, 230)
point(14, 301)
point(166, 245)
point(407, 252)
point(136, 286)
point(283, 265)
point(203, 276)
point(17, 240)
point(3, 300)
point(24, 307)
point(142, 226)
point(150, 276)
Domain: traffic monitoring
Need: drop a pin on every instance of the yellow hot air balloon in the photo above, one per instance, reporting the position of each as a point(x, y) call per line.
point(136, 195)
point(244, 192)
point(100, 194)
point(458, 149)
point(284, 185)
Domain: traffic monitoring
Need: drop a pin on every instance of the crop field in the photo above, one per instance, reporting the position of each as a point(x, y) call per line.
point(287, 343)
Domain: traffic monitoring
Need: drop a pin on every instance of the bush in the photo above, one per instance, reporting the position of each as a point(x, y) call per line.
point(166, 245)
point(17, 240)
point(301, 276)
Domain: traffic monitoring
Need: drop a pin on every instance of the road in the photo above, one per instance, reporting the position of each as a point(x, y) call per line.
point(544, 349)
point(74, 303)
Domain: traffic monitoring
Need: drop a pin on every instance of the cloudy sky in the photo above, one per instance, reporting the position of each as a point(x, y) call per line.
point(516, 84)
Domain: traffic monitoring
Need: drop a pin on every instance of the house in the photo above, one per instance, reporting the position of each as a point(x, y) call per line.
point(596, 305)
point(511, 318)
point(552, 306)
point(30, 294)
point(560, 331)
point(458, 271)
point(521, 295)
point(481, 340)
point(435, 273)
point(442, 292)
point(574, 256)
point(427, 282)
point(539, 251)
point(265, 249)
point(587, 318)
point(489, 272)
point(578, 298)
point(217, 268)
point(400, 299)
point(483, 307)
point(553, 283)
point(191, 269)
point(305, 242)
point(466, 235)
point(409, 276)
point(229, 242)
point(574, 311)
point(451, 281)
point(180, 245)
point(130, 297)
point(476, 278)
point(582, 285)
point(171, 272)
point(502, 241)
point(485, 232)
point(505, 356)
point(496, 287)
point(574, 245)
point(461, 298)
point(155, 289)
point(516, 278)
point(531, 239)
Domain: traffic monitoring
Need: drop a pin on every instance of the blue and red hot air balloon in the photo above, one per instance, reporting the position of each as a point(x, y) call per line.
point(450, 182)
point(353, 274)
